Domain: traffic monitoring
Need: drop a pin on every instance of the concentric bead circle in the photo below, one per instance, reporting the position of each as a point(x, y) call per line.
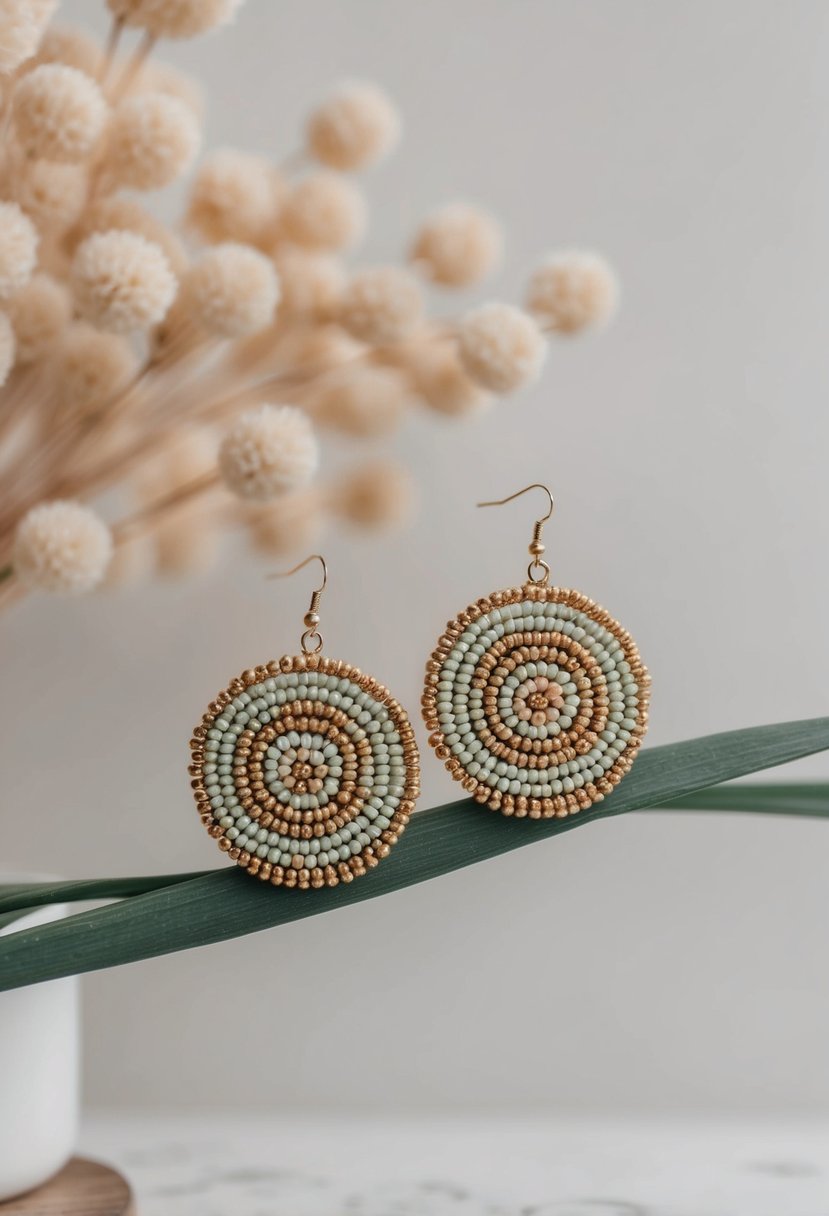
point(305, 771)
point(537, 701)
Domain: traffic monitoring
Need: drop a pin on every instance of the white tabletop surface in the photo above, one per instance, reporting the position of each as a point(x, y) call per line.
point(261, 1165)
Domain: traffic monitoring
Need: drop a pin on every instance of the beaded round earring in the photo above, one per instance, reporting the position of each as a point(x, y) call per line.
point(305, 770)
point(535, 697)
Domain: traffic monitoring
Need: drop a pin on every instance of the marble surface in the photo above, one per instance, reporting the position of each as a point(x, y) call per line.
point(233, 1165)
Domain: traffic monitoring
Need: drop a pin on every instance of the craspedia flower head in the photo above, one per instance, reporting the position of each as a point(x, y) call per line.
point(174, 18)
point(378, 494)
point(186, 544)
point(501, 347)
point(7, 348)
point(457, 246)
point(158, 77)
point(381, 305)
point(68, 45)
point(291, 524)
point(311, 283)
point(118, 211)
point(18, 249)
point(61, 547)
point(189, 454)
point(58, 112)
point(442, 381)
point(323, 211)
point(356, 125)
point(151, 140)
point(39, 313)
point(92, 367)
point(122, 282)
point(231, 290)
point(43, 10)
point(573, 290)
point(231, 197)
point(362, 401)
point(53, 194)
point(268, 451)
point(20, 29)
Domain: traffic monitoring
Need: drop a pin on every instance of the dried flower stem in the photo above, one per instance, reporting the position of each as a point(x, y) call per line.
point(108, 58)
point(134, 65)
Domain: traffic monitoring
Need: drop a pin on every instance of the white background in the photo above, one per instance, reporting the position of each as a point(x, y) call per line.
point(654, 963)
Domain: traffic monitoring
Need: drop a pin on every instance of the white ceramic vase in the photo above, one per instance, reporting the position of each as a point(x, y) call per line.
point(39, 1071)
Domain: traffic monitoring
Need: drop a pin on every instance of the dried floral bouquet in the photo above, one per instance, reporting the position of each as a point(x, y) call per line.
point(187, 373)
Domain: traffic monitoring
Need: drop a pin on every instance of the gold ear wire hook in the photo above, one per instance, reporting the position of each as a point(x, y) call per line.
point(536, 546)
point(311, 638)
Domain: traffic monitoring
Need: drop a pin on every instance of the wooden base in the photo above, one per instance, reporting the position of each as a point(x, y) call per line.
point(82, 1188)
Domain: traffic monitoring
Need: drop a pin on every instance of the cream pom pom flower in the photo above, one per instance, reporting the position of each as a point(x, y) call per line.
point(362, 401)
point(7, 348)
point(268, 451)
point(312, 284)
point(92, 367)
point(378, 494)
point(39, 313)
point(174, 18)
point(291, 524)
point(126, 214)
point(151, 140)
point(58, 112)
point(457, 246)
point(324, 211)
point(43, 10)
point(53, 194)
point(442, 381)
point(573, 290)
point(187, 541)
point(355, 126)
point(18, 249)
point(68, 45)
point(501, 347)
point(233, 197)
point(381, 305)
point(158, 77)
point(20, 29)
point(63, 547)
point(232, 290)
point(122, 282)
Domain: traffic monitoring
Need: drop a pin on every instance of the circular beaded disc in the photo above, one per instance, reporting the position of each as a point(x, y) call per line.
point(537, 701)
point(305, 771)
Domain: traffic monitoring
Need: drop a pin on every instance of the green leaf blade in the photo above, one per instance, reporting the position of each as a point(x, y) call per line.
point(228, 903)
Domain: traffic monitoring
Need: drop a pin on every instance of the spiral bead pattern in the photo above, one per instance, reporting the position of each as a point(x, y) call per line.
point(536, 700)
point(305, 771)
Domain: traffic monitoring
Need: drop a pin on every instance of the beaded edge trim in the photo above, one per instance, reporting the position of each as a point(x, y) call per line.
point(344, 871)
point(521, 807)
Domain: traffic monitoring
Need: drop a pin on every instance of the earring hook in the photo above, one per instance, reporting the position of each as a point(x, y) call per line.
point(311, 638)
point(536, 545)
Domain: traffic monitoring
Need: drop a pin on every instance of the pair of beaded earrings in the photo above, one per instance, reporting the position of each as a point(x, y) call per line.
point(305, 770)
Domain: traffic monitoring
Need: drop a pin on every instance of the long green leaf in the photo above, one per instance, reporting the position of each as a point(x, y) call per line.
point(769, 798)
point(228, 903)
point(760, 798)
point(34, 894)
